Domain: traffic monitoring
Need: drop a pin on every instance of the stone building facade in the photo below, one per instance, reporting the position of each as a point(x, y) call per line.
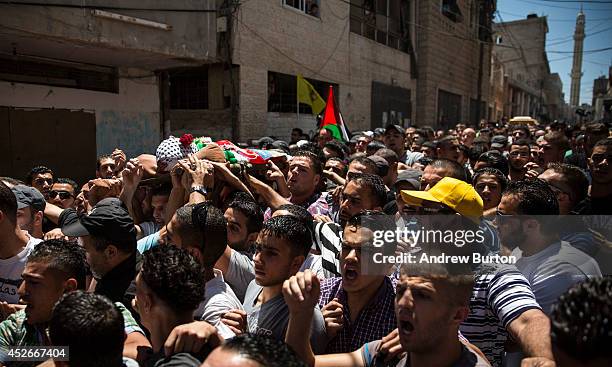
point(531, 90)
point(454, 55)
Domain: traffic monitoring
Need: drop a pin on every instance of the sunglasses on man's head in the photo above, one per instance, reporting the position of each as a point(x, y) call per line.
point(63, 195)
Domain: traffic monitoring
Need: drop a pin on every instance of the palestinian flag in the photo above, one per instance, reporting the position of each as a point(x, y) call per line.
point(332, 119)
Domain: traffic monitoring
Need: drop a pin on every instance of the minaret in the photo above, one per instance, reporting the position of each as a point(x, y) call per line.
point(577, 65)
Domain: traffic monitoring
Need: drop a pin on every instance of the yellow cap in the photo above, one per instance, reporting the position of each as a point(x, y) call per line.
point(456, 194)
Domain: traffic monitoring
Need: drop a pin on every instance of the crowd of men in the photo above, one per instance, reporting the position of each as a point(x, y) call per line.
point(191, 258)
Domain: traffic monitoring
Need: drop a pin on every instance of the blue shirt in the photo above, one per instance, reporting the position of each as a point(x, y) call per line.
point(148, 242)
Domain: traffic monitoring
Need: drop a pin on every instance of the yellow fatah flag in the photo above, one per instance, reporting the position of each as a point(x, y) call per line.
point(308, 95)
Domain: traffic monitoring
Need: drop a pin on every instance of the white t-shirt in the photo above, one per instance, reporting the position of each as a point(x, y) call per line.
point(11, 269)
point(314, 263)
point(219, 299)
point(555, 269)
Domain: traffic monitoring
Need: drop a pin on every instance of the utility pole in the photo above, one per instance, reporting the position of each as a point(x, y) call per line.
point(484, 35)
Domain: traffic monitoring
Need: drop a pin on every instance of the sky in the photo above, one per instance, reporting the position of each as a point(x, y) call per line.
point(559, 40)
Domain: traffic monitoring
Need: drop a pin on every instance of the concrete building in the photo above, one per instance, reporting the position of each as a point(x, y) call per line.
point(128, 73)
point(453, 57)
point(520, 46)
point(602, 98)
point(364, 49)
point(77, 81)
point(554, 97)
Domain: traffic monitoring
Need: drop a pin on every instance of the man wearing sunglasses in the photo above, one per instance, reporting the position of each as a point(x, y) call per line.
point(502, 306)
point(599, 201)
point(63, 193)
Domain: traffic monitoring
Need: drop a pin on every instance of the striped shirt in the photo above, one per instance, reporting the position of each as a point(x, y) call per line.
point(376, 319)
point(501, 294)
point(328, 242)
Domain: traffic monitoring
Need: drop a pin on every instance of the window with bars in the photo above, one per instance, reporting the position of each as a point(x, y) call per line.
point(189, 89)
point(310, 7)
point(384, 21)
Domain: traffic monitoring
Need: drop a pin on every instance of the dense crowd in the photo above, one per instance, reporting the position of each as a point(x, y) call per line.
point(221, 254)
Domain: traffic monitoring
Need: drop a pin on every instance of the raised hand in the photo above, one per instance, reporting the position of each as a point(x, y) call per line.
point(333, 313)
point(301, 292)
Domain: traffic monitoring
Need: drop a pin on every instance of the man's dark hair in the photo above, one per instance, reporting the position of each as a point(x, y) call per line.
point(291, 229)
point(454, 169)
point(301, 213)
point(264, 350)
point(299, 131)
point(161, 190)
point(475, 151)
point(425, 161)
point(66, 257)
point(501, 178)
point(375, 146)
point(525, 129)
point(521, 142)
point(607, 142)
point(36, 171)
point(374, 184)
point(495, 160)
point(580, 320)
point(429, 144)
point(389, 155)
point(174, 276)
point(336, 147)
point(535, 197)
point(251, 210)
point(67, 181)
point(447, 139)
point(596, 128)
point(91, 326)
point(100, 159)
point(575, 178)
point(314, 158)
point(366, 162)
point(189, 232)
point(213, 226)
point(558, 139)
point(336, 159)
point(8, 203)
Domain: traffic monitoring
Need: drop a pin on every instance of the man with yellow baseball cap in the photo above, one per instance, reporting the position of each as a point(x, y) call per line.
point(449, 195)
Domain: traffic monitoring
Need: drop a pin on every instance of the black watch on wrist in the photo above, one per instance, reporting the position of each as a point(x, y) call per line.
point(199, 189)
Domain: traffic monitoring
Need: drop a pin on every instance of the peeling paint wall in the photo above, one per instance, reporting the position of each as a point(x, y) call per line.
point(129, 119)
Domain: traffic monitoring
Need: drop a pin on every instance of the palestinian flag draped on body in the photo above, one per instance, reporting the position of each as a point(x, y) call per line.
point(235, 154)
point(332, 119)
point(307, 94)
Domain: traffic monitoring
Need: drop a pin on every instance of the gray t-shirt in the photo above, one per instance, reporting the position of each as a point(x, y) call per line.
point(240, 272)
point(553, 270)
point(371, 358)
point(272, 318)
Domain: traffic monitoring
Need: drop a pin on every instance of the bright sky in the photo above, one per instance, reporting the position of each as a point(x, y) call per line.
point(559, 40)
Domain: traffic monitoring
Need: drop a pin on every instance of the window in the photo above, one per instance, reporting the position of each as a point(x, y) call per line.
point(451, 10)
point(23, 69)
point(282, 92)
point(384, 21)
point(189, 89)
point(449, 109)
point(310, 7)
